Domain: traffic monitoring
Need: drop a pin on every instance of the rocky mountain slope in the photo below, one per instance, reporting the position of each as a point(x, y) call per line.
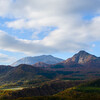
point(81, 57)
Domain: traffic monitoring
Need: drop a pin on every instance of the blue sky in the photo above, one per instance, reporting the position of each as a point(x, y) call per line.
point(43, 27)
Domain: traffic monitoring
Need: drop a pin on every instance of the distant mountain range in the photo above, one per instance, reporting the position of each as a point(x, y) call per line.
point(81, 66)
point(48, 59)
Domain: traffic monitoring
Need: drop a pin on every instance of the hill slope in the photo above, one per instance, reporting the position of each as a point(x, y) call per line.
point(27, 72)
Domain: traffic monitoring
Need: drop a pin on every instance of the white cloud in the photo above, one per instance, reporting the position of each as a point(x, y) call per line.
point(45, 46)
point(14, 44)
point(4, 7)
point(73, 32)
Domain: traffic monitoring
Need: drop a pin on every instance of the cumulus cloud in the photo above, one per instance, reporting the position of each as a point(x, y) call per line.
point(14, 44)
point(72, 31)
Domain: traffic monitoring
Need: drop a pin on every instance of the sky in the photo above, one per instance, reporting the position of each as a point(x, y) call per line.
point(48, 27)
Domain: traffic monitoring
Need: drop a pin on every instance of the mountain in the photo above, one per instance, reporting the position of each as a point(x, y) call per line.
point(81, 66)
point(81, 57)
point(27, 72)
point(77, 61)
point(43, 58)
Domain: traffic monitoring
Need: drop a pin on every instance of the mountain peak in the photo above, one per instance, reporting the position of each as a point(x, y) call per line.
point(82, 52)
point(81, 57)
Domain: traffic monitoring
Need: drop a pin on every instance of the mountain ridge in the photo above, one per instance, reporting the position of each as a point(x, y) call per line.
point(48, 59)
